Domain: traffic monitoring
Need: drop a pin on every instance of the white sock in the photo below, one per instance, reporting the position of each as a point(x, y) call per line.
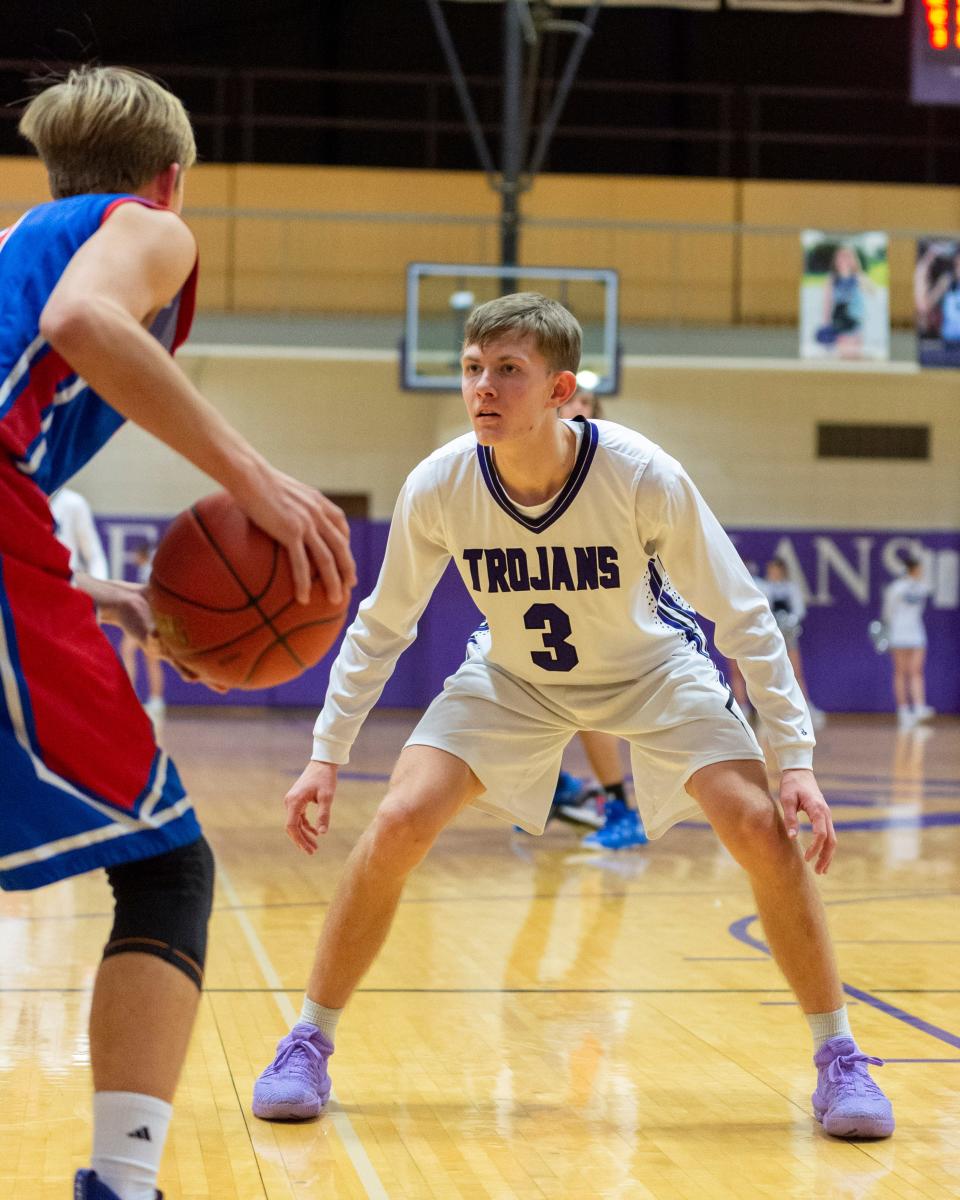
point(325, 1019)
point(129, 1131)
point(825, 1026)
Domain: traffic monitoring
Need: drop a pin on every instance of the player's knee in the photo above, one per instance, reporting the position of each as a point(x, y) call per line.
point(757, 837)
point(162, 907)
point(402, 832)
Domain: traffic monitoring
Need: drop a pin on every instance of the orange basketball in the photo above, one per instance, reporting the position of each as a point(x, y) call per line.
point(222, 595)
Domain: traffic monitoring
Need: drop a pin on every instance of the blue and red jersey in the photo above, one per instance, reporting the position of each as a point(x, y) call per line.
point(51, 422)
point(83, 783)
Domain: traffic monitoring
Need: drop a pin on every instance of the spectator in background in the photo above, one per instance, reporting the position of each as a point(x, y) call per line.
point(582, 403)
point(904, 600)
point(789, 608)
point(76, 529)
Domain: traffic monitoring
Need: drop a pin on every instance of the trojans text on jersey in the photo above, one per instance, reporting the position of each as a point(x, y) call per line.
point(549, 568)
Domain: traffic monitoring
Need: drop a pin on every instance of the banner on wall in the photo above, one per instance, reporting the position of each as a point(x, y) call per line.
point(936, 293)
point(844, 296)
point(841, 573)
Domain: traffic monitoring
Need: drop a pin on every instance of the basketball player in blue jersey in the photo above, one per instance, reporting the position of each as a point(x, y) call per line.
point(96, 291)
point(573, 538)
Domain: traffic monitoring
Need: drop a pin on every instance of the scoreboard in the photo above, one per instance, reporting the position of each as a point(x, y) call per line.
point(935, 52)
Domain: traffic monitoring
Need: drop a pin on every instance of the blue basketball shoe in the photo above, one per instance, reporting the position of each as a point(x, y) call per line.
point(576, 801)
point(622, 828)
point(86, 1186)
point(568, 789)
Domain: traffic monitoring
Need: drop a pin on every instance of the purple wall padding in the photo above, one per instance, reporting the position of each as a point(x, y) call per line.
point(842, 571)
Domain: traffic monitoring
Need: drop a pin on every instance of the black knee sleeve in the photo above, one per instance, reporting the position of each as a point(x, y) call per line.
point(162, 906)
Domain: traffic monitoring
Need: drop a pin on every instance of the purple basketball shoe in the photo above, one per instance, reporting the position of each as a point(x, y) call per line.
point(847, 1102)
point(296, 1085)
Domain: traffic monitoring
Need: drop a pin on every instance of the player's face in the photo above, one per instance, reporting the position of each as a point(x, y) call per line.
point(509, 390)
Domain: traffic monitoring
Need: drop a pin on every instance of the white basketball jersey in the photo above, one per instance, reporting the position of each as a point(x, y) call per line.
point(904, 601)
point(586, 589)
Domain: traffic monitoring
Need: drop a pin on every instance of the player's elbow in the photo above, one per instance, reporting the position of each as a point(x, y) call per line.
point(66, 323)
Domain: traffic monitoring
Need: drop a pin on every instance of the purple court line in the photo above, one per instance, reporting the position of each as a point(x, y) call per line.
point(739, 930)
point(722, 958)
point(362, 776)
point(879, 896)
point(845, 800)
point(889, 785)
point(848, 801)
point(916, 821)
point(894, 941)
point(921, 1060)
point(881, 781)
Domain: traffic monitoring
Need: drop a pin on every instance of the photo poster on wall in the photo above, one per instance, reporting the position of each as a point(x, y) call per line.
point(844, 296)
point(936, 291)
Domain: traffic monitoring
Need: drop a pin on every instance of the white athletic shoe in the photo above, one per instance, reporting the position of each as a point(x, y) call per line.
point(156, 710)
point(924, 712)
point(905, 718)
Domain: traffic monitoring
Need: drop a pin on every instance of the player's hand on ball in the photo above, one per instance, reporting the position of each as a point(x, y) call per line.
point(316, 785)
point(313, 530)
point(124, 605)
point(800, 792)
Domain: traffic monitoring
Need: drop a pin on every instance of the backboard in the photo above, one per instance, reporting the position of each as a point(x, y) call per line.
point(440, 297)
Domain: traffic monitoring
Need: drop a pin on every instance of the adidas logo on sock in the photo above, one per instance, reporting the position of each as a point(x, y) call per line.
point(143, 1133)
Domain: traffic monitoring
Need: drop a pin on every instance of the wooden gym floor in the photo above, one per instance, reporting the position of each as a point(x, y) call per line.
point(544, 1021)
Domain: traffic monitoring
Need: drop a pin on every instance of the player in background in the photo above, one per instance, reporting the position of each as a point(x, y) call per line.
point(155, 705)
point(622, 827)
point(96, 291)
point(75, 527)
point(904, 600)
point(573, 537)
point(789, 609)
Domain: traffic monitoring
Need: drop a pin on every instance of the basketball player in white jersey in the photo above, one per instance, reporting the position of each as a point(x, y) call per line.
point(789, 609)
point(76, 529)
point(573, 538)
point(904, 600)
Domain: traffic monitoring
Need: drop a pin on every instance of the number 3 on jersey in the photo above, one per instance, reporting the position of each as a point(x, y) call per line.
point(559, 655)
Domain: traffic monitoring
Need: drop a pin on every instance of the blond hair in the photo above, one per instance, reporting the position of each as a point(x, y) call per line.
point(107, 129)
point(555, 330)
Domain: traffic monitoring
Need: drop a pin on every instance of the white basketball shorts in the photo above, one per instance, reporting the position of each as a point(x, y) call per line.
point(511, 734)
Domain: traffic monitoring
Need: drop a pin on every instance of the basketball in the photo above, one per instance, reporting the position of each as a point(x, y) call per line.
point(222, 595)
